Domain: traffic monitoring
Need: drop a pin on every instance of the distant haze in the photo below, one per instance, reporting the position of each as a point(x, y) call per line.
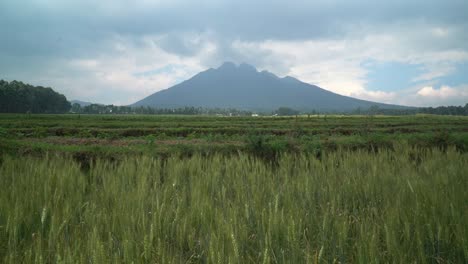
point(243, 87)
point(81, 103)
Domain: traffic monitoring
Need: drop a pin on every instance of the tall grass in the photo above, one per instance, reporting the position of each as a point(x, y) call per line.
point(403, 206)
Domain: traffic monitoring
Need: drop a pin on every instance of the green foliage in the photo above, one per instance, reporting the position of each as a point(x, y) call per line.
point(114, 109)
point(269, 148)
point(348, 207)
point(96, 188)
point(40, 132)
point(185, 150)
point(313, 147)
point(441, 139)
point(127, 133)
point(440, 110)
point(76, 108)
point(85, 133)
point(286, 111)
point(3, 132)
point(150, 139)
point(260, 146)
point(17, 97)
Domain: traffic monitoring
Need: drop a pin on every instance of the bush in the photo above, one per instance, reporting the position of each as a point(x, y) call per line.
point(268, 149)
point(441, 139)
point(286, 111)
point(85, 133)
point(314, 148)
point(150, 140)
point(3, 132)
point(185, 151)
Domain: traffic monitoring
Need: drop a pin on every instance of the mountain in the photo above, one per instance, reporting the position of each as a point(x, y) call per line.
point(243, 87)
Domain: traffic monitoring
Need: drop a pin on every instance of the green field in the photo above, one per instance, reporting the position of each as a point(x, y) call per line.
point(118, 135)
point(203, 189)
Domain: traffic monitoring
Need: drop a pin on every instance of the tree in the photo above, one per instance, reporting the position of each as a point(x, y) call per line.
point(18, 97)
point(76, 108)
point(286, 111)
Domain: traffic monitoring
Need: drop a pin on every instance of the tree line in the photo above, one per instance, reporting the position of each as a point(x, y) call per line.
point(18, 97)
point(114, 109)
point(440, 110)
point(282, 111)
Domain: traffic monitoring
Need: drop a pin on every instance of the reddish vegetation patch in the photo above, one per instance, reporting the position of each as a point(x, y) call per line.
point(87, 141)
point(196, 142)
point(402, 130)
point(127, 142)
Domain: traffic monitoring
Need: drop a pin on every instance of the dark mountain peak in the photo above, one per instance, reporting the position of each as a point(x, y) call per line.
point(227, 66)
point(243, 87)
point(267, 73)
point(243, 67)
point(290, 79)
point(247, 67)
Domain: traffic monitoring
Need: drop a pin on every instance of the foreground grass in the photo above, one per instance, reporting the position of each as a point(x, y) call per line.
point(401, 206)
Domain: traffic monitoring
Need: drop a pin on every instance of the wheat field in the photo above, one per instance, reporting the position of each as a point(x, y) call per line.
point(401, 206)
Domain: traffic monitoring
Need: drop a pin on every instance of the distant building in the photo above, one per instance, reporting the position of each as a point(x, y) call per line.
point(254, 114)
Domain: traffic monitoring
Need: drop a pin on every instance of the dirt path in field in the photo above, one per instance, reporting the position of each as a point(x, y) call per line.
point(128, 142)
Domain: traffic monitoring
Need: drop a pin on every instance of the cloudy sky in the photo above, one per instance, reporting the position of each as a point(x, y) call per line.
point(110, 51)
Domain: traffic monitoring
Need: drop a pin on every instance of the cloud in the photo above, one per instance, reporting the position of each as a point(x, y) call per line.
point(436, 95)
point(118, 52)
point(250, 20)
point(377, 96)
point(340, 65)
point(134, 70)
point(120, 74)
point(442, 93)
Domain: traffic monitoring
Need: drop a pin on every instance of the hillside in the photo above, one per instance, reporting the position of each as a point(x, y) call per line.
point(243, 87)
point(81, 103)
point(18, 97)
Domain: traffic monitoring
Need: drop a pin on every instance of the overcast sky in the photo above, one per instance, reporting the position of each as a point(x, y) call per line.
point(109, 51)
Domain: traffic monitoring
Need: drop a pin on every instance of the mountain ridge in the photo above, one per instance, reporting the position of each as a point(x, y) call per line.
point(81, 103)
point(244, 87)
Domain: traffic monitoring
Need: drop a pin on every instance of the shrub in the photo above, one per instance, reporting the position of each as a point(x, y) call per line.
point(268, 149)
point(3, 132)
point(441, 139)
